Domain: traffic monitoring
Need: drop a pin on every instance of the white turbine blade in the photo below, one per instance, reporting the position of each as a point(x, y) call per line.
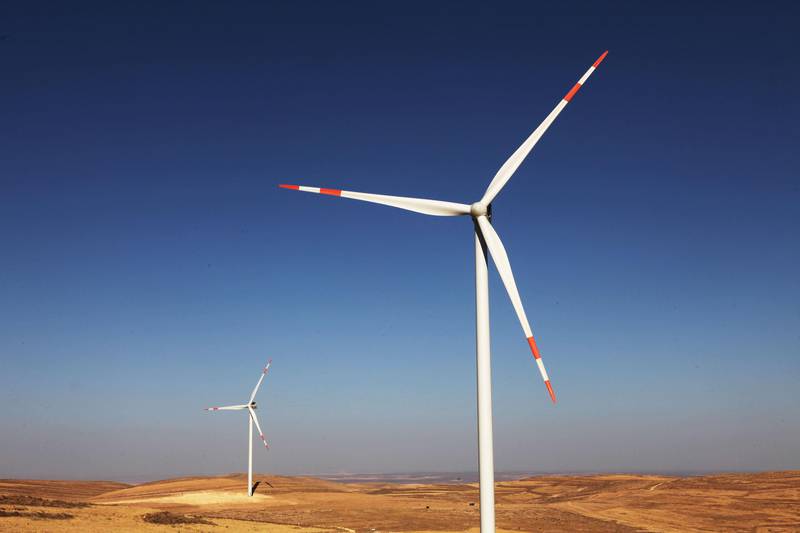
point(258, 427)
point(418, 205)
point(500, 258)
point(516, 159)
point(264, 373)
point(227, 408)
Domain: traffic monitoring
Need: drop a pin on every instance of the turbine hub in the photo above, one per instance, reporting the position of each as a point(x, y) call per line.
point(478, 209)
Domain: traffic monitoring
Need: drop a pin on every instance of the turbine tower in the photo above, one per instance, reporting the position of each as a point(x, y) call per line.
point(486, 240)
point(251, 409)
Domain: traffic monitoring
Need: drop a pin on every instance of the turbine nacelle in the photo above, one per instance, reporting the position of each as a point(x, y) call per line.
point(479, 209)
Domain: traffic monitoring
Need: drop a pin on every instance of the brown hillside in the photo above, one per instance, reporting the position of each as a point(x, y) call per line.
point(765, 503)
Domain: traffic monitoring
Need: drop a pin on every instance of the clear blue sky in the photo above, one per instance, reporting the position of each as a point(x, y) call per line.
point(150, 265)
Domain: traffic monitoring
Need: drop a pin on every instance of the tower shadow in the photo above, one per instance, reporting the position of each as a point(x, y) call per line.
point(257, 483)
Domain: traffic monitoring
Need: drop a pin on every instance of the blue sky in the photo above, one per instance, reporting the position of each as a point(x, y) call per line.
point(150, 265)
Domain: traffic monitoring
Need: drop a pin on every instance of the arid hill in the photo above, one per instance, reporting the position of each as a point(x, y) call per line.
point(766, 503)
point(63, 490)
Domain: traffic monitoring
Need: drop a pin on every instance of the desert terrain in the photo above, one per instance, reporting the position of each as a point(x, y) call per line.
point(764, 502)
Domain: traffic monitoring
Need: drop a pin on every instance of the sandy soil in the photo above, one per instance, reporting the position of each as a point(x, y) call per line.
point(765, 503)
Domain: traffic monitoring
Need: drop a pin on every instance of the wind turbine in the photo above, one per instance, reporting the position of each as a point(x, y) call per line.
point(251, 408)
point(486, 238)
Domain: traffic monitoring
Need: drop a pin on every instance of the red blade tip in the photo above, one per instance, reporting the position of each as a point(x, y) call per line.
point(293, 187)
point(550, 390)
point(600, 59)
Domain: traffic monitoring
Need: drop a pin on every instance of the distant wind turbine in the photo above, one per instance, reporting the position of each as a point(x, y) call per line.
point(251, 408)
point(485, 238)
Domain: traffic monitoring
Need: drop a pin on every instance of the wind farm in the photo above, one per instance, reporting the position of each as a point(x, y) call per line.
point(579, 315)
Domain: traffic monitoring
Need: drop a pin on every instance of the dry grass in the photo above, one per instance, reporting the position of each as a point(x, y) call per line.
point(171, 519)
point(15, 499)
point(37, 515)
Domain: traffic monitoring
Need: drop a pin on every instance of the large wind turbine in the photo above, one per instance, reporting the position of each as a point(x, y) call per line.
point(485, 238)
point(251, 408)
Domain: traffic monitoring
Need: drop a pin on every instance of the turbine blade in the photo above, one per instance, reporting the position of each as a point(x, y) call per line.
point(516, 159)
point(264, 373)
point(418, 205)
point(226, 408)
point(258, 427)
point(500, 258)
